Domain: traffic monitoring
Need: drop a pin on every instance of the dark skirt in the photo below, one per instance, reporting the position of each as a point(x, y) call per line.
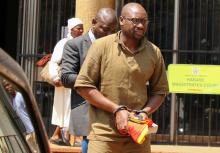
point(79, 120)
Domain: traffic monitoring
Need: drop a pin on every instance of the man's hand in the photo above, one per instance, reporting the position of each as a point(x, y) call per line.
point(139, 114)
point(121, 120)
point(122, 117)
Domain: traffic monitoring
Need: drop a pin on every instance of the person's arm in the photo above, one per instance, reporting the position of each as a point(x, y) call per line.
point(55, 62)
point(70, 64)
point(95, 98)
point(154, 103)
point(158, 85)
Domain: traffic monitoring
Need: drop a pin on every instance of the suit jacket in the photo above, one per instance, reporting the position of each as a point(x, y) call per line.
point(74, 54)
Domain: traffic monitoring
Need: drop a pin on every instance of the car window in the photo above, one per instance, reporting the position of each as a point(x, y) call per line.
point(16, 129)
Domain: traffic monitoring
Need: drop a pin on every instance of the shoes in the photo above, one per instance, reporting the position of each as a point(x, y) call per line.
point(57, 142)
point(77, 144)
point(65, 141)
point(60, 141)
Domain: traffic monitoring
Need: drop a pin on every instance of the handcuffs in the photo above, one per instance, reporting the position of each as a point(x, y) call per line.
point(136, 117)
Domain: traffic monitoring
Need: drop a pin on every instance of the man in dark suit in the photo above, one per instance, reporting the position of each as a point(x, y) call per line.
point(75, 50)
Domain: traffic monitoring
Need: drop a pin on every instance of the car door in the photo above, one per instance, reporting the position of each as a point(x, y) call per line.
point(21, 126)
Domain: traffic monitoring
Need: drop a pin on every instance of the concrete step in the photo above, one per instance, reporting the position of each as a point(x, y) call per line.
point(64, 149)
point(154, 148)
point(183, 149)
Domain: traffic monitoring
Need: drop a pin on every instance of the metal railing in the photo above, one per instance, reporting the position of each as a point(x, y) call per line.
point(198, 115)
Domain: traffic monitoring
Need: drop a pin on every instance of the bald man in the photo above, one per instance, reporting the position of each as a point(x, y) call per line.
point(113, 80)
point(75, 50)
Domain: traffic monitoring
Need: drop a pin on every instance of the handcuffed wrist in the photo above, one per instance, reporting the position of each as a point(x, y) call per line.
point(121, 107)
point(143, 111)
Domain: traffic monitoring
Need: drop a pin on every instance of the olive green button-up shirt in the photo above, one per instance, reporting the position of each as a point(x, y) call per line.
point(122, 77)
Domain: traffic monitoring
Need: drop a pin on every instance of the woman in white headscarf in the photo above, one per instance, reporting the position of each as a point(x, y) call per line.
point(62, 96)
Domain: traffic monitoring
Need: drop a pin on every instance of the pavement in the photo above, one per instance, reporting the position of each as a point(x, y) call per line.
point(183, 149)
point(64, 149)
point(154, 149)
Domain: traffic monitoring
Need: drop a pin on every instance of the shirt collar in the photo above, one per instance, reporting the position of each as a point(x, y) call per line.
point(91, 36)
point(120, 42)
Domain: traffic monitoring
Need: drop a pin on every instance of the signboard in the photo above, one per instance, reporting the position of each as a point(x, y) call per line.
point(195, 79)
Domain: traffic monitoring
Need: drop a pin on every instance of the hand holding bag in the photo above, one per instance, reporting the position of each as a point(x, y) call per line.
point(46, 75)
point(44, 60)
point(139, 128)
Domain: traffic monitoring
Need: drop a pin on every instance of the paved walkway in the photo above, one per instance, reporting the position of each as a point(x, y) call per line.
point(183, 149)
point(154, 148)
point(64, 149)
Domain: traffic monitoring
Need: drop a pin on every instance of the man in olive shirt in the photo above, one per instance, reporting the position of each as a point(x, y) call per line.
point(113, 78)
